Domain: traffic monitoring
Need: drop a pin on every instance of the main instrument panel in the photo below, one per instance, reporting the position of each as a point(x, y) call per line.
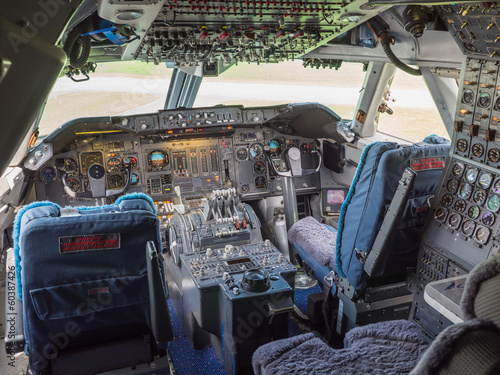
point(196, 150)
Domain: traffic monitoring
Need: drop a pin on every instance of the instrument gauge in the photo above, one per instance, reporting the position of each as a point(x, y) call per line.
point(245, 188)
point(134, 179)
point(452, 185)
point(133, 162)
point(494, 155)
point(242, 154)
point(440, 214)
point(484, 100)
point(90, 158)
point(479, 196)
point(471, 174)
point(70, 165)
point(447, 200)
point(473, 212)
point(465, 191)
point(458, 169)
point(460, 205)
point(259, 167)
point(115, 181)
point(157, 159)
point(462, 145)
point(496, 187)
point(305, 147)
point(468, 227)
point(48, 173)
point(257, 151)
point(482, 234)
point(497, 104)
point(73, 184)
point(493, 203)
point(446, 9)
point(477, 150)
point(260, 182)
point(114, 164)
point(488, 219)
point(275, 146)
point(468, 97)
point(454, 221)
point(485, 180)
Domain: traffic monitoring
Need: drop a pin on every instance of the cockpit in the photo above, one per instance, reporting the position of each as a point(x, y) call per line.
point(281, 199)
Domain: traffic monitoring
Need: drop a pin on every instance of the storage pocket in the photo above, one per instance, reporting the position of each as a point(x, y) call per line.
point(78, 299)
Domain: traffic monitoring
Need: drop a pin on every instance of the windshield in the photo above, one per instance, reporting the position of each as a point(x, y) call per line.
point(135, 87)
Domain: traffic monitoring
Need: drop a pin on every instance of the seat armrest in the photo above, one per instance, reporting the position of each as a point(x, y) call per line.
point(160, 315)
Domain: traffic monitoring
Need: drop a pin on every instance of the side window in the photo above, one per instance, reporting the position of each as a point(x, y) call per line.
point(414, 114)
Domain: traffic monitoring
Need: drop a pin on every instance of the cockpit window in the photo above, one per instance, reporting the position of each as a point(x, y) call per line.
point(408, 111)
point(286, 82)
point(134, 87)
point(114, 89)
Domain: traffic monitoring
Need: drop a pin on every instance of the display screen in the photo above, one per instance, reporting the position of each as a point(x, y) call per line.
point(180, 162)
point(238, 261)
point(334, 196)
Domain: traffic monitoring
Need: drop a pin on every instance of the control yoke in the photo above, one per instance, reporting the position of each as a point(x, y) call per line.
point(294, 164)
point(97, 181)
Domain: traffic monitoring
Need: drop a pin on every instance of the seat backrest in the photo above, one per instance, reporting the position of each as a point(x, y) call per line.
point(83, 275)
point(381, 166)
point(471, 347)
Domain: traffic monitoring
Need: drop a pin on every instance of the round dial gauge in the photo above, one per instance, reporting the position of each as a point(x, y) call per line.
point(305, 147)
point(497, 104)
point(257, 151)
point(494, 155)
point(447, 200)
point(260, 182)
point(73, 184)
point(259, 167)
point(496, 187)
point(484, 100)
point(460, 206)
point(130, 161)
point(493, 203)
point(488, 219)
point(470, 47)
point(70, 165)
point(458, 169)
point(485, 180)
point(479, 196)
point(454, 221)
point(446, 9)
point(462, 145)
point(452, 185)
point(134, 179)
point(468, 97)
point(245, 188)
point(114, 164)
point(115, 181)
point(242, 154)
point(468, 227)
point(473, 212)
point(477, 150)
point(471, 174)
point(465, 191)
point(48, 173)
point(158, 159)
point(440, 214)
point(275, 146)
point(482, 235)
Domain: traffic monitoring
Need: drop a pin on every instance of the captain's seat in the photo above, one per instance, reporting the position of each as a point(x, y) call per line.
point(92, 289)
point(378, 233)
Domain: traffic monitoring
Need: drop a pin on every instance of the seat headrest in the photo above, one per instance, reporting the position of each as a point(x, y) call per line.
point(481, 298)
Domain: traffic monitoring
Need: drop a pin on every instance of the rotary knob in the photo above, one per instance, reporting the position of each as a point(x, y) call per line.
point(256, 281)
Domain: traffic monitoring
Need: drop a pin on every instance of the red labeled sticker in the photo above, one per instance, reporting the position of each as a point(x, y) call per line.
point(436, 162)
point(73, 244)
